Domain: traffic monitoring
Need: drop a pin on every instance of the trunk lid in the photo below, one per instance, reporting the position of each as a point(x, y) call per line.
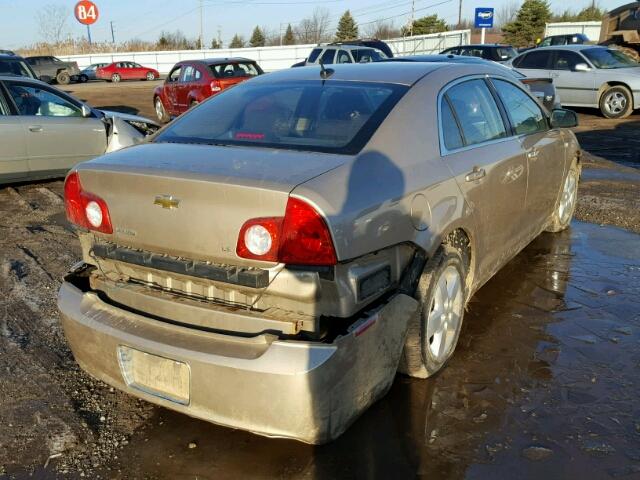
point(191, 200)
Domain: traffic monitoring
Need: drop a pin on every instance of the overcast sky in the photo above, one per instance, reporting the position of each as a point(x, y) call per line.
point(145, 19)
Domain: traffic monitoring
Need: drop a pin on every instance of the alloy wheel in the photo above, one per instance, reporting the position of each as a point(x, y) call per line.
point(445, 313)
point(568, 199)
point(615, 103)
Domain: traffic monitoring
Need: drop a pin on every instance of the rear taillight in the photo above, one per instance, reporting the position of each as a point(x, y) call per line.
point(215, 86)
point(301, 237)
point(85, 209)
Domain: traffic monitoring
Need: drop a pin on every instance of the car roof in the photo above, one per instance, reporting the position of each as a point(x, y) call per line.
point(403, 73)
point(8, 56)
point(217, 61)
point(23, 79)
point(351, 46)
point(439, 57)
point(567, 47)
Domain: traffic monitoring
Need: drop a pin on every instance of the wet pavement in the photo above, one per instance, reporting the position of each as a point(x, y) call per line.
point(544, 384)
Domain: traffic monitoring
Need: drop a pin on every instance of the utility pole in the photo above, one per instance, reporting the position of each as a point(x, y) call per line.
point(413, 11)
point(113, 37)
point(201, 27)
point(459, 13)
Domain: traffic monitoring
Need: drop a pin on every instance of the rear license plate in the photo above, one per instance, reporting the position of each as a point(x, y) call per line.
point(155, 375)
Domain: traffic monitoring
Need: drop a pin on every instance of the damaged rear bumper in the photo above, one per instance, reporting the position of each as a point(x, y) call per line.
point(308, 391)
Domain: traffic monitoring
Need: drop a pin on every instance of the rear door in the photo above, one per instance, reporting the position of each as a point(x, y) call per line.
point(489, 166)
point(184, 84)
point(57, 135)
point(575, 88)
point(13, 146)
point(535, 63)
point(543, 147)
point(171, 86)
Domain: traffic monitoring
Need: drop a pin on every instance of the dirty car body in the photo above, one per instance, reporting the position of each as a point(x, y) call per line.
point(254, 265)
point(44, 132)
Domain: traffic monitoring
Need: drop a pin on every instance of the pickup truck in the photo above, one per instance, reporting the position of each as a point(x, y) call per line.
point(49, 69)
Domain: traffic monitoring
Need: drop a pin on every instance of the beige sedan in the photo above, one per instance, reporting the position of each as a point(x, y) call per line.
point(275, 255)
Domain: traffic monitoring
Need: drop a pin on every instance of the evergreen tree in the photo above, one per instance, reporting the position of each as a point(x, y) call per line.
point(257, 38)
point(215, 44)
point(347, 28)
point(425, 25)
point(289, 37)
point(529, 23)
point(236, 42)
point(591, 13)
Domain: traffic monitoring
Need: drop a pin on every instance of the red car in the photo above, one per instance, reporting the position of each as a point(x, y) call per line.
point(116, 71)
point(192, 81)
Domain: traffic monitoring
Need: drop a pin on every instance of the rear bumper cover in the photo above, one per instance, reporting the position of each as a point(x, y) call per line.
point(302, 390)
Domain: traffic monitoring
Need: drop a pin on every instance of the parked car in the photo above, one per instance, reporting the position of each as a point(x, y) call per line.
point(7, 52)
point(117, 71)
point(192, 81)
point(89, 73)
point(340, 53)
point(15, 65)
point(565, 39)
point(495, 52)
point(587, 76)
point(51, 69)
point(44, 132)
point(260, 262)
point(541, 88)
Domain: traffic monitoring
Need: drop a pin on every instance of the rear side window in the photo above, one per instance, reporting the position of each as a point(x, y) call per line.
point(524, 113)
point(313, 56)
point(476, 112)
point(343, 57)
point(506, 53)
point(327, 56)
point(335, 117)
point(174, 75)
point(450, 131)
point(538, 60)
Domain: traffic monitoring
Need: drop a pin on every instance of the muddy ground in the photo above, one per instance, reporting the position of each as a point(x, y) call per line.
point(544, 383)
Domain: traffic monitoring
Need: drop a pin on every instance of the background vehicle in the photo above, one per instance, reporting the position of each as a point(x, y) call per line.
point(342, 53)
point(50, 69)
point(89, 72)
point(7, 52)
point(117, 71)
point(15, 65)
point(587, 76)
point(566, 39)
point(192, 81)
point(279, 238)
point(44, 132)
point(365, 42)
point(495, 53)
point(621, 28)
point(541, 88)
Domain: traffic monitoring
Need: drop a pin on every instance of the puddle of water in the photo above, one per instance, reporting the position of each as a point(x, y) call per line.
point(544, 384)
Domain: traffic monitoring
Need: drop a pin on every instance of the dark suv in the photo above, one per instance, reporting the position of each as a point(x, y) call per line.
point(496, 53)
point(15, 65)
point(51, 68)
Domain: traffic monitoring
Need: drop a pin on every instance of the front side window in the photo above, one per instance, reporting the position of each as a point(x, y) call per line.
point(32, 100)
point(174, 75)
point(336, 117)
point(476, 112)
point(609, 59)
point(534, 60)
point(566, 60)
point(525, 114)
point(327, 56)
point(545, 43)
point(15, 67)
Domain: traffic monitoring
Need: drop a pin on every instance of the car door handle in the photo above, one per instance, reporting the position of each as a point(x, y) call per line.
point(532, 154)
point(35, 128)
point(475, 174)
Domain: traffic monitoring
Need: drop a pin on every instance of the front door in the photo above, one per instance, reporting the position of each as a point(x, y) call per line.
point(489, 167)
point(574, 87)
point(171, 87)
point(57, 135)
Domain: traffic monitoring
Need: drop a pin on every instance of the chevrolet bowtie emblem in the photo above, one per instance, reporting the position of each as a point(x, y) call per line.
point(167, 201)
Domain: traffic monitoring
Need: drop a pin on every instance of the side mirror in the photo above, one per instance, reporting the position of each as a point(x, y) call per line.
point(561, 118)
point(581, 67)
point(86, 111)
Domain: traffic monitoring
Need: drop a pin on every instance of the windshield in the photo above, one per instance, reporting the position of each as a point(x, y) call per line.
point(333, 117)
point(605, 58)
point(15, 67)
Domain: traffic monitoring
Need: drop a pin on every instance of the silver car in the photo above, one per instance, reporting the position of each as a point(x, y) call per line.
point(587, 76)
point(44, 132)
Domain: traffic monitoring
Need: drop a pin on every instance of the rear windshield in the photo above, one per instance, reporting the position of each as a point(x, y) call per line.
point(333, 116)
point(506, 53)
point(15, 67)
point(366, 55)
point(234, 70)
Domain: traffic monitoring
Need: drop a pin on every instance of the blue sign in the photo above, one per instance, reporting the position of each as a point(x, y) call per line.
point(484, 18)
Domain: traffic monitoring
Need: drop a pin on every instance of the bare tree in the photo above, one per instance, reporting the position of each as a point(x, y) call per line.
point(382, 30)
point(314, 29)
point(507, 12)
point(52, 22)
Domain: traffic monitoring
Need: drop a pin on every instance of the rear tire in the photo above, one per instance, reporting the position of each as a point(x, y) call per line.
point(63, 78)
point(566, 205)
point(616, 102)
point(115, 78)
point(193, 103)
point(151, 76)
point(161, 113)
point(433, 335)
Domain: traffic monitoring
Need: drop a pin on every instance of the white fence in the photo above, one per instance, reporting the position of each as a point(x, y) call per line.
point(590, 29)
point(270, 58)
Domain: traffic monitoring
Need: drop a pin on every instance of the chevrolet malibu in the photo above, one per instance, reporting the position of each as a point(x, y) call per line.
point(273, 257)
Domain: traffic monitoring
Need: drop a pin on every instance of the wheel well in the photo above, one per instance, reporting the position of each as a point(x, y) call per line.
point(614, 83)
point(60, 70)
point(460, 240)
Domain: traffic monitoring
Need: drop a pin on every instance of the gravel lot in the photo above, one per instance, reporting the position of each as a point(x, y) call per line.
point(545, 382)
